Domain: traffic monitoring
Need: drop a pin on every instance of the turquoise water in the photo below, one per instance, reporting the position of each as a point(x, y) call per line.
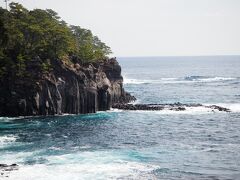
point(194, 144)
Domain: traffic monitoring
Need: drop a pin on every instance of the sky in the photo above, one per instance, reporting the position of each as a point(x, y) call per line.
point(154, 27)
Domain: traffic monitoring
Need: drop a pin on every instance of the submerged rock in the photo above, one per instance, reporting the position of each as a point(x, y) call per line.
point(75, 89)
point(5, 169)
point(219, 108)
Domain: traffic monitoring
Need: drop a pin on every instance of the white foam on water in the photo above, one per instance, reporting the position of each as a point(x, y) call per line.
point(67, 114)
point(13, 157)
point(148, 81)
point(7, 139)
point(234, 107)
point(85, 165)
point(115, 110)
point(189, 110)
point(85, 147)
point(128, 170)
point(138, 101)
point(215, 79)
point(7, 119)
point(55, 148)
point(199, 110)
point(190, 79)
point(136, 81)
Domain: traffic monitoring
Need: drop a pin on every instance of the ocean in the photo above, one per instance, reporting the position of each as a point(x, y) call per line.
point(194, 144)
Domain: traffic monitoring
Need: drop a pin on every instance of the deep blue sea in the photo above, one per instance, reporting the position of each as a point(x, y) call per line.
point(194, 144)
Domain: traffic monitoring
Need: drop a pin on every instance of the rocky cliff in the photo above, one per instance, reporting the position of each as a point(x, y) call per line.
point(75, 89)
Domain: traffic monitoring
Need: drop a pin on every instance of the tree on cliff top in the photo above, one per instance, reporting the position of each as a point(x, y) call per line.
point(26, 35)
point(89, 46)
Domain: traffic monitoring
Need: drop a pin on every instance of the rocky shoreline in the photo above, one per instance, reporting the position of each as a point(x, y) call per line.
point(75, 89)
point(159, 107)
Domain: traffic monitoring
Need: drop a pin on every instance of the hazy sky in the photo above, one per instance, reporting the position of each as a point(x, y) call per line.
point(155, 27)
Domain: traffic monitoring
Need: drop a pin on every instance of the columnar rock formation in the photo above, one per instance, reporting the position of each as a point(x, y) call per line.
point(75, 89)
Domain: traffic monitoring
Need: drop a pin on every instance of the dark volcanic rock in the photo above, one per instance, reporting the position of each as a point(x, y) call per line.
point(219, 108)
point(159, 107)
point(5, 169)
point(75, 89)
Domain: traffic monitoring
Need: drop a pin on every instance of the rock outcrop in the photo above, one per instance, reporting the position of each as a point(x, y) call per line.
point(172, 107)
point(74, 89)
point(6, 169)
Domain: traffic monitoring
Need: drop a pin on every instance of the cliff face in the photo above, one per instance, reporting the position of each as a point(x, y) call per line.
point(75, 89)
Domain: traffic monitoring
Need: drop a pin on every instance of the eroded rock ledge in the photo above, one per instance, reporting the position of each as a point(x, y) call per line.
point(159, 107)
point(75, 89)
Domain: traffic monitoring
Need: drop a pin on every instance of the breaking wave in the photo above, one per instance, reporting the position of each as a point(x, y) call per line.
point(87, 165)
point(7, 139)
point(187, 79)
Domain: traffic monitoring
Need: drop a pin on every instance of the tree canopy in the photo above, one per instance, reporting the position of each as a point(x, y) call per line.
point(27, 34)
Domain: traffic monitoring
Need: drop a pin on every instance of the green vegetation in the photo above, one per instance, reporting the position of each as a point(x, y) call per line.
point(41, 34)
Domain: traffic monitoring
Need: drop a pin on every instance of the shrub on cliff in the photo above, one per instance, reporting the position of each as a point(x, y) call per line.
point(41, 34)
